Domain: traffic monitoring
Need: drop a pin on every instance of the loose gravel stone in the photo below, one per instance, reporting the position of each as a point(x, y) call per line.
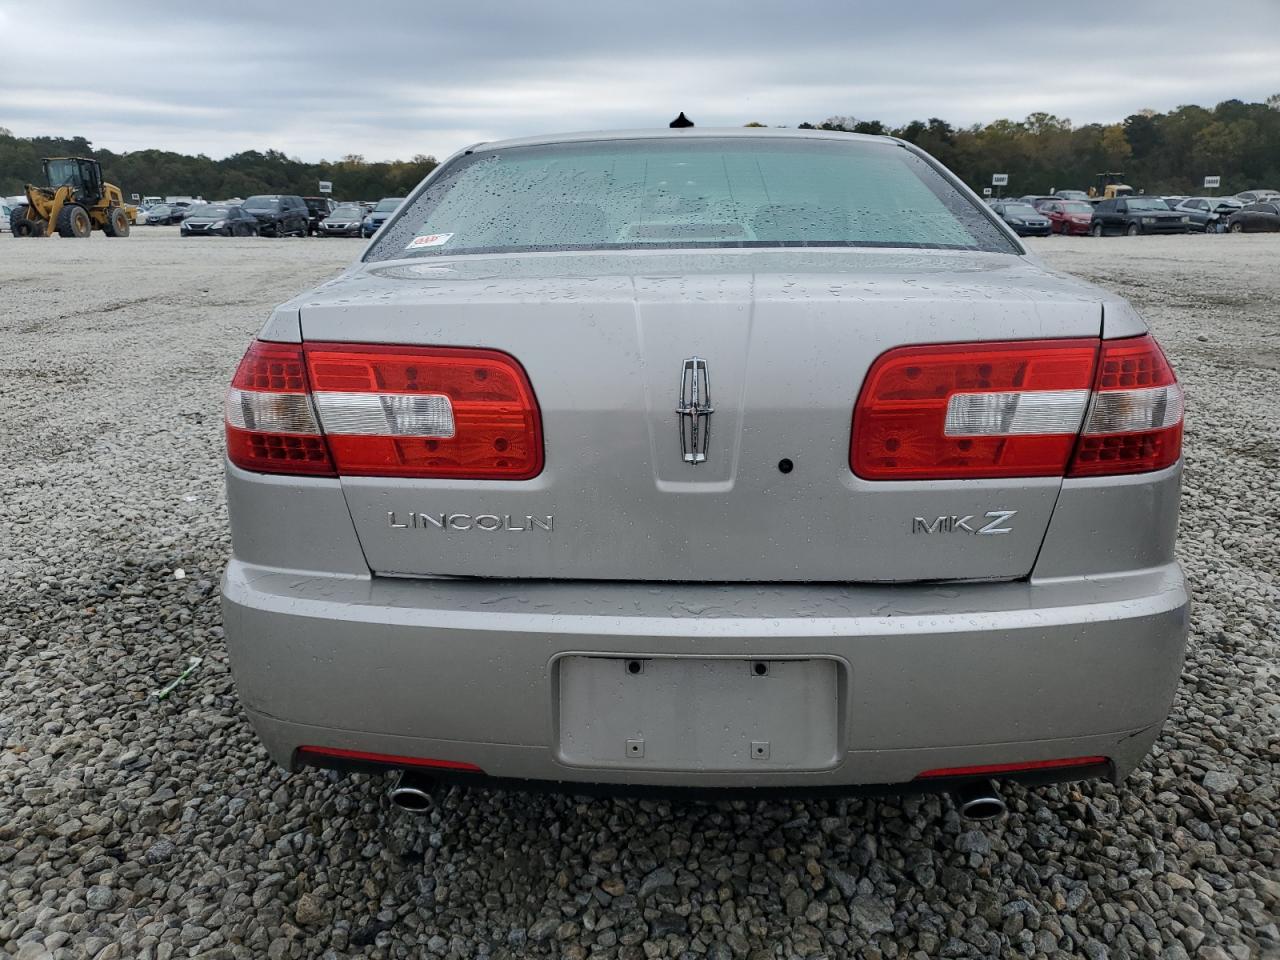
point(132, 827)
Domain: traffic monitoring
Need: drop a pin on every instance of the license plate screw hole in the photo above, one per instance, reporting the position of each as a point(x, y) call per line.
point(635, 667)
point(759, 749)
point(760, 668)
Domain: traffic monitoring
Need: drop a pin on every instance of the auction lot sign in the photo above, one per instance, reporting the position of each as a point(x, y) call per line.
point(1212, 183)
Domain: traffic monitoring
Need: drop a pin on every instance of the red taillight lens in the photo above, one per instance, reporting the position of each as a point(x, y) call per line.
point(426, 411)
point(271, 426)
point(1135, 419)
point(960, 411)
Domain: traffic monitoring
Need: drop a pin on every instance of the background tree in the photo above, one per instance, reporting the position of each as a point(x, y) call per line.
point(165, 173)
point(1161, 153)
point(1158, 153)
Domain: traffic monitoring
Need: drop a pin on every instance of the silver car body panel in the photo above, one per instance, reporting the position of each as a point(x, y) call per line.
point(788, 337)
point(1061, 638)
point(929, 676)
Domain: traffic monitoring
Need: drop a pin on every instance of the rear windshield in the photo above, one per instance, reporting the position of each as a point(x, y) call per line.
point(699, 192)
point(209, 210)
point(262, 203)
point(1146, 203)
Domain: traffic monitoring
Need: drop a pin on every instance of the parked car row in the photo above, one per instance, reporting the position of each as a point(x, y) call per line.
point(1136, 214)
point(273, 215)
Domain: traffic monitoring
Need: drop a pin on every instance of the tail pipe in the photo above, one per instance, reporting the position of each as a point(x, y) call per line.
point(412, 791)
point(979, 800)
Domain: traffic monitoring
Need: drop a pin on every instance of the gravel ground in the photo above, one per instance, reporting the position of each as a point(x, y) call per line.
point(132, 827)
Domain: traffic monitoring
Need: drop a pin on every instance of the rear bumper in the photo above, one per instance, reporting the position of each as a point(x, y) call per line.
point(930, 676)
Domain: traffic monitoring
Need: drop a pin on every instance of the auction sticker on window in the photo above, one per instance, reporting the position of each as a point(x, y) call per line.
point(429, 240)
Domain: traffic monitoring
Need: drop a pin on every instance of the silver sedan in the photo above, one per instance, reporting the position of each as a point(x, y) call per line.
point(724, 459)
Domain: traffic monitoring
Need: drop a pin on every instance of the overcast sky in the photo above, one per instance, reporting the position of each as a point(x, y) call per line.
point(393, 78)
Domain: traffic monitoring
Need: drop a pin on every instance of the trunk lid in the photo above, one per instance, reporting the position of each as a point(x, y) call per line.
point(786, 336)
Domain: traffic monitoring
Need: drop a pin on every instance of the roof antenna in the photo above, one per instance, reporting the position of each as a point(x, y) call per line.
point(681, 121)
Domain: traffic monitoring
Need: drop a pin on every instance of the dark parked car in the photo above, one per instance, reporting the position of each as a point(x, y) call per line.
point(1256, 217)
point(1067, 216)
point(165, 215)
point(279, 215)
point(345, 221)
point(1208, 213)
point(219, 220)
point(1132, 216)
point(318, 209)
point(1025, 219)
point(384, 208)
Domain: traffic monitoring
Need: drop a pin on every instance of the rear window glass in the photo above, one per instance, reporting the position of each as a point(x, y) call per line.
point(700, 192)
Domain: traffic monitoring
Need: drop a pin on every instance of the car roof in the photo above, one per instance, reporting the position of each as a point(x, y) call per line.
point(696, 133)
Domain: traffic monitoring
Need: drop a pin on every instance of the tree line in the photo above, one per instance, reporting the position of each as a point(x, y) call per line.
point(165, 173)
point(1157, 152)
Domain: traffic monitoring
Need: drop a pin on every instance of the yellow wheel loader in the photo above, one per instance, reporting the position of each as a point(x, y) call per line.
point(1109, 186)
point(75, 202)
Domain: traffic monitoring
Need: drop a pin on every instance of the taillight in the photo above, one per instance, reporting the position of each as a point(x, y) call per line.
point(1135, 420)
point(426, 411)
point(970, 410)
point(388, 411)
point(1031, 408)
point(271, 426)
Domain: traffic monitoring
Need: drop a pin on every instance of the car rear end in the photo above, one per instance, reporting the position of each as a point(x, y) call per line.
point(707, 487)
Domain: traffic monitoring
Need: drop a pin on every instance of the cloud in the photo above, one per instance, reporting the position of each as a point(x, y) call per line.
point(392, 79)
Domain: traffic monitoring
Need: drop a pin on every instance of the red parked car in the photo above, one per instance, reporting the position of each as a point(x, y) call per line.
point(1067, 216)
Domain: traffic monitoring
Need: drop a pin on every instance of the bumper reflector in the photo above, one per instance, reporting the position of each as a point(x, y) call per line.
point(388, 759)
point(991, 769)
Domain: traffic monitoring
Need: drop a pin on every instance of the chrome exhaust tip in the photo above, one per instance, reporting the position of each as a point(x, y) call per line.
point(979, 800)
point(412, 792)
